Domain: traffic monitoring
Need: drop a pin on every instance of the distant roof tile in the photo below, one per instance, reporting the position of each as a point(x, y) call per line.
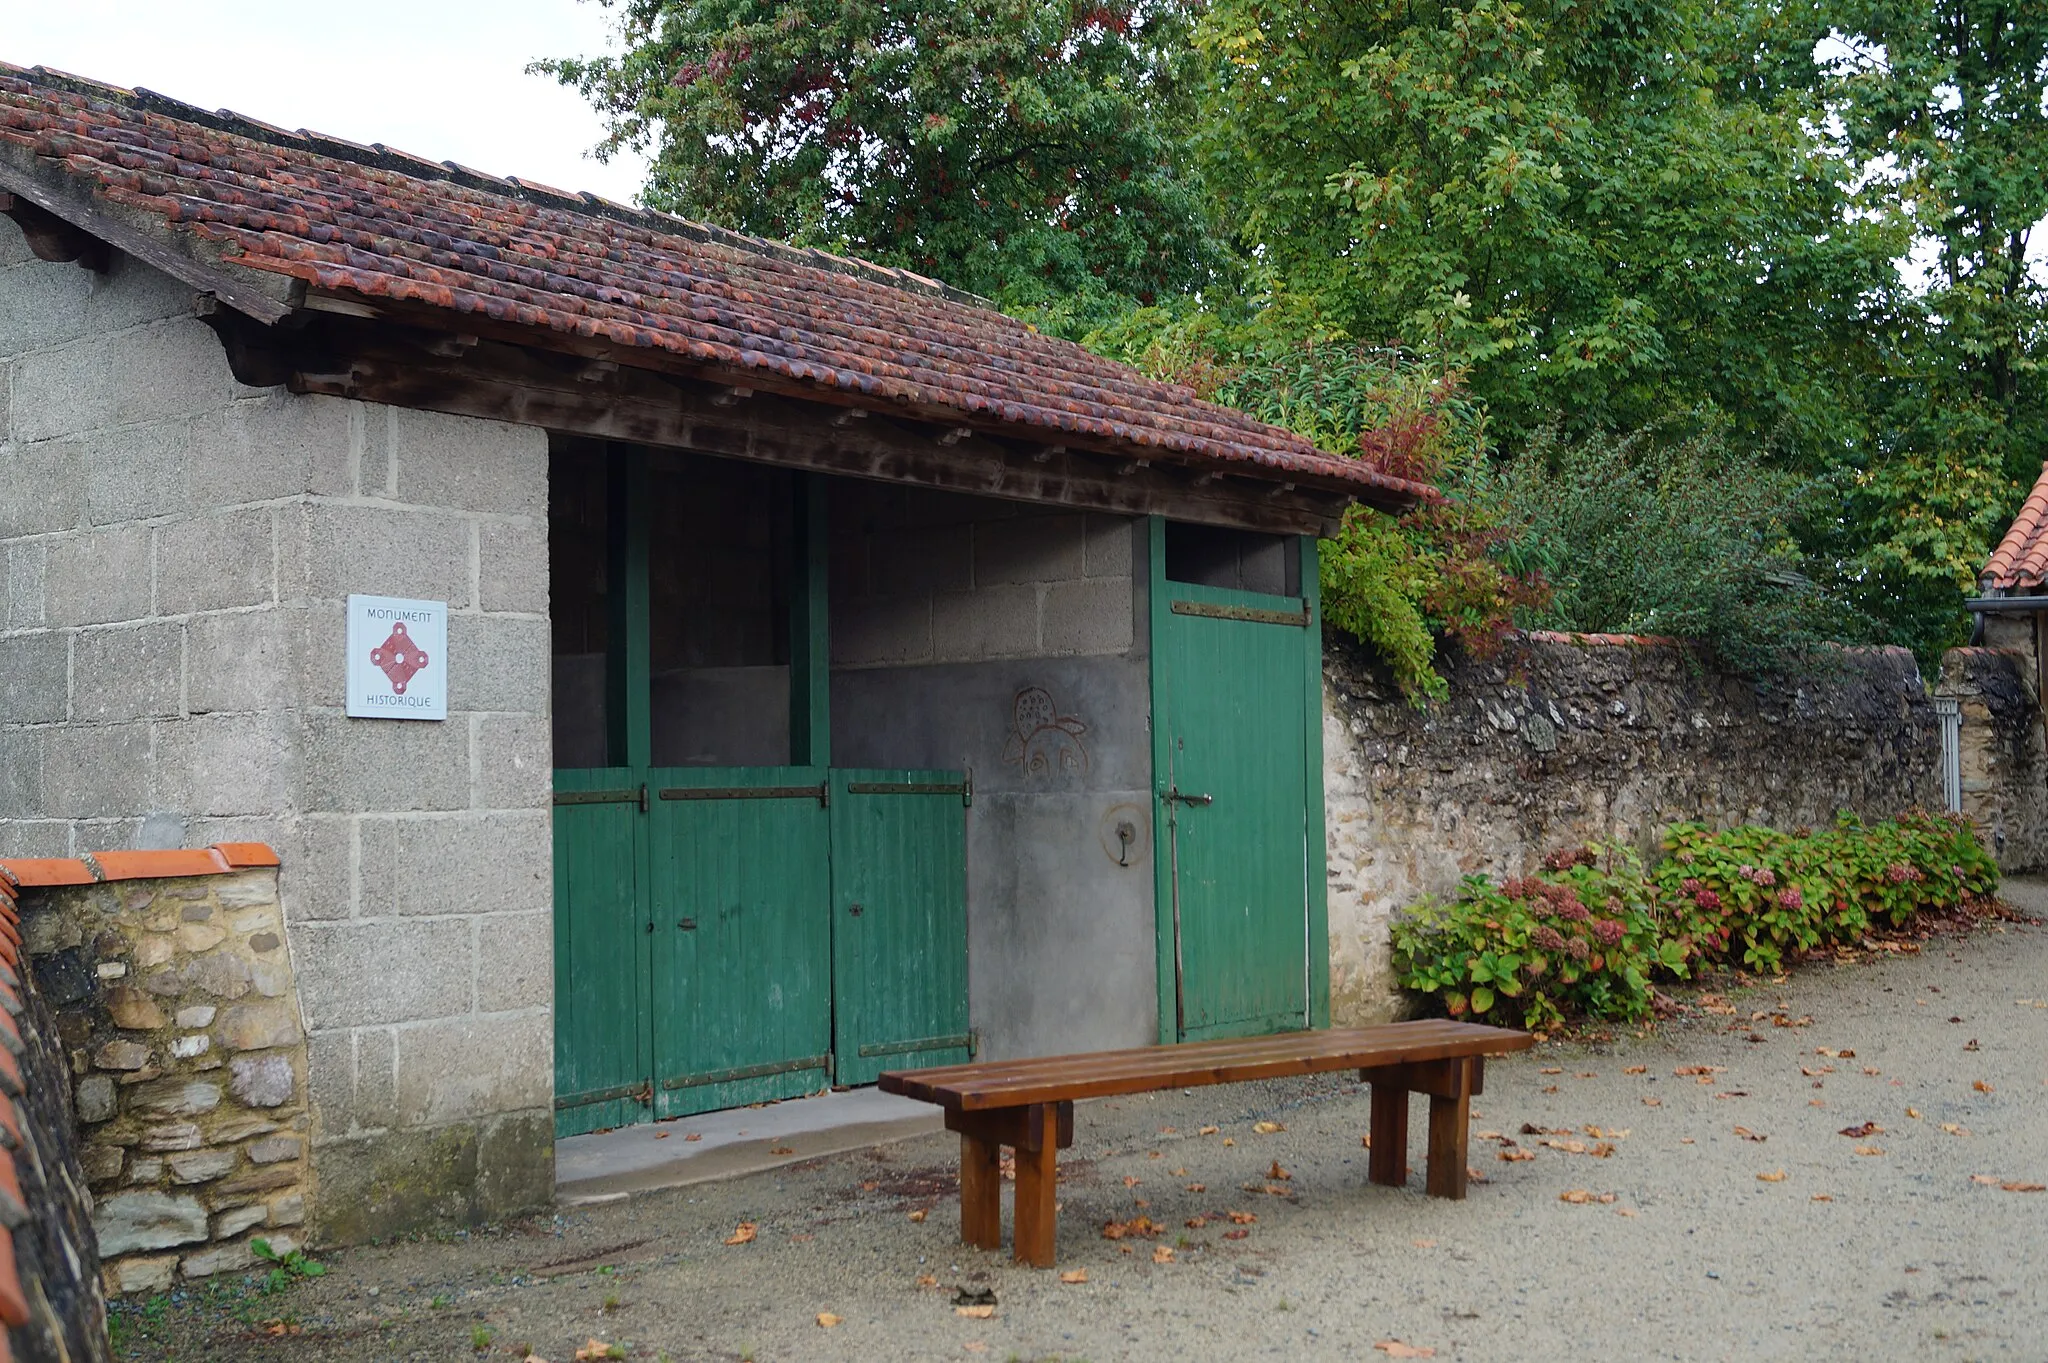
point(2020, 562)
point(385, 224)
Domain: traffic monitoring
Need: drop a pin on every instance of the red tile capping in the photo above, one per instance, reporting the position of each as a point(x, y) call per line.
point(32, 872)
point(94, 867)
point(242, 854)
point(13, 1301)
point(159, 865)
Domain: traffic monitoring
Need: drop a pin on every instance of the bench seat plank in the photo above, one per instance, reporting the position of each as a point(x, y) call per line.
point(1101, 1074)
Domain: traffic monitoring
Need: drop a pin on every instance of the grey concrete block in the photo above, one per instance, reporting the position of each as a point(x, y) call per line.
point(129, 672)
point(13, 245)
point(317, 877)
point(467, 463)
point(172, 368)
point(1087, 617)
point(215, 562)
point(41, 303)
point(327, 551)
point(247, 660)
point(464, 1068)
point(499, 662)
point(133, 472)
point(21, 773)
point(359, 765)
point(221, 765)
point(1113, 544)
point(995, 622)
point(100, 771)
point(375, 1187)
point(515, 962)
point(98, 578)
point(881, 632)
point(514, 762)
point(278, 445)
point(919, 561)
point(42, 487)
point(34, 837)
point(350, 1080)
point(393, 970)
point(22, 574)
point(464, 863)
point(516, 1163)
point(35, 672)
point(513, 566)
point(1030, 549)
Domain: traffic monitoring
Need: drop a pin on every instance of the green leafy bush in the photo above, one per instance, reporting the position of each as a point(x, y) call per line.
point(1589, 932)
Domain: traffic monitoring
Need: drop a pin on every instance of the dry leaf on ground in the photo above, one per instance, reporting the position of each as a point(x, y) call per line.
point(1162, 1254)
point(1749, 1135)
point(1822, 1197)
point(692, 1136)
point(974, 1312)
point(1394, 1348)
point(828, 1320)
point(1914, 1113)
point(744, 1234)
point(919, 1214)
point(1207, 1130)
point(1131, 1181)
point(1277, 1172)
point(1198, 1187)
point(1235, 1234)
point(597, 1348)
point(1991, 1179)
point(1653, 1102)
point(1268, 1128)
point(1635, 1069)
point(1869, 1149)
point(1242, 1218)
point(1579, 1197)
point(1778, 1177)
point(927, 1280)
point(1517, 1155)
point(2025, 1187)
point(1552, 1069)
point(1983, 1087)
point(1866, 1129)
point(780, 1150)
point(1074, 1275)
point(1954, 1130)
point(1229, 1141)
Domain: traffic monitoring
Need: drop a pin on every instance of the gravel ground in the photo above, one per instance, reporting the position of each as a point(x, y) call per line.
point(1885, 1245)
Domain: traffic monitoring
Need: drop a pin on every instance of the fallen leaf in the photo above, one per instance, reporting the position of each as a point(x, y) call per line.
point(1624, 1211)
point(1816, 1073)
point(975, 1346)
point(1636, 1069)
point(1553, 1069)
point(1867, 1129)
point(1242, 1218)
point(1608, 1134)
point(1196, 1222)
point(1778, 1177)
point(596, 1348)
point(1162, 1254)
point(1685, 1140)
point(1277, 1172)
point(825, 1319)
point(1749, 1135)
point(1734, 1093)
point(974, 1312)
point(1235, 1234)
point(1515, 1156)
point(1366, 1140)
point(1155, 1155)
point(1394, 1348)
point(1869, 1149)
point(1834, 1055)
point(1208, 1130)
point(1487, 1136)
point(1141, 1226)
point(1653, 1102)
point(693, 1136)
point(1578, 1197)
point(1228, 1141)
point(1551, 1089)
point(1971, 1045)
point(1914, 1113)
point(662, 1135)
point(743, 1235)
point(1424, 1244)
point(1130, 1181)
point(1954, 1130)
point(1821, 1197)
point(926, 1280)
point(2025, 1187)
point(1198, 1187)
point(1872, 1070)
point(919, 1214)
point(1588, 1074)
point(1168, 1131)
point(1268, 1128)
point(1178, 1173)
point(1983, 1087)
point(1074, 1275)
point(780, 1150)
point(1984, 1178)
point(1687, 1071)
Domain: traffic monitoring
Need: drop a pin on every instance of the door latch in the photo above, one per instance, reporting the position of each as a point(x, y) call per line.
point(687, 924)
point(1174, 796)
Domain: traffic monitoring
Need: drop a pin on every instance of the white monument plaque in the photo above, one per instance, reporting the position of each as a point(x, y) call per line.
point(397, 658)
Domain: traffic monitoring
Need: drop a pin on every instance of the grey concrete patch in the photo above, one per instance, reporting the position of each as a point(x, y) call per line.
point(610, 1165)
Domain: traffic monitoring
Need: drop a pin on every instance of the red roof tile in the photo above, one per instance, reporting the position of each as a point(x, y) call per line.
point(2020, 562)
point(386, 225)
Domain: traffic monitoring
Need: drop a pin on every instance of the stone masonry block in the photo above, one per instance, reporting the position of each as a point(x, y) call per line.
point(92, 772)
point(1112, 541)
point(515, 962)
point(498, 662)
point(215, 562)
point(21, 774)
point(1088, 617)
point(464, 1068)
point(464, 863)
point(1030, 549)
point(35, 674)
point(513, 558)
point(21, 585)
point(98, 578)
point(515, 762)
point(44, 304)
point(995, 622)
point(360, 765)
point(393, 970)
point(316, 880)
point(226, 764)
point(277, 445)
point(328, 551)
point(129, 672)
point(34, 837)
point(866, 633)
point(245, 660)
point(134, 472)
point(467, 463)
point(926, 559)
point(42, 487)
point(14, 246)
point(171, 368)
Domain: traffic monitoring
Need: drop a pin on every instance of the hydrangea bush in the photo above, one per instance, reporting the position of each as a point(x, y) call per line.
point(1590, 931)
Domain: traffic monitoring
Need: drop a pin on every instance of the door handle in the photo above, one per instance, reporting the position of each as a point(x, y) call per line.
point(687, 924)
point(1174, 796)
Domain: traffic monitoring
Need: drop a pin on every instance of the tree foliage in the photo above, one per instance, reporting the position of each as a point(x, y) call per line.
point(1024, 149)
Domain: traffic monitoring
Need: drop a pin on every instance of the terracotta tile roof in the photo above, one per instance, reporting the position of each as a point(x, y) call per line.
point(385, 225)
point(2020, 562)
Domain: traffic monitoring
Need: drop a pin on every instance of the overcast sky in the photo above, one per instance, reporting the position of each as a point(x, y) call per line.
point(444, 79)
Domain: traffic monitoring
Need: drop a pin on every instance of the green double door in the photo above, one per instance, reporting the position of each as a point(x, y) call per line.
point(1237, 771)
point(752, 934)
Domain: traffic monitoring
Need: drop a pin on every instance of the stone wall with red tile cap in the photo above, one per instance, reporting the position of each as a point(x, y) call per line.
point(1562, 738)
point(2004, 750)
point(178, 1012)
point(51, 1307)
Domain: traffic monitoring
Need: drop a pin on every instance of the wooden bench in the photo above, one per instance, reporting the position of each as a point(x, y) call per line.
point(1028, 1105)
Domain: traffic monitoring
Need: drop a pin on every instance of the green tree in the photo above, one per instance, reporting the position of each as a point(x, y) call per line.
point(1029, 150)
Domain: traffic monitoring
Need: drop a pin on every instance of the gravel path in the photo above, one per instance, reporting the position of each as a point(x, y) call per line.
point(1901, 1251)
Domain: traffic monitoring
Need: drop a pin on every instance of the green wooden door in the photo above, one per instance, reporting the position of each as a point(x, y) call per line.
point(1234, 771)
point(742, 965)
point(899, 927)
point(602, 1054)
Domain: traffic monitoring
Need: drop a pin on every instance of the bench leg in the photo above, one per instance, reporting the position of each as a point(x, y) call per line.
point(981, 1193)
point(1037, 1181)
point(1387, 1162)
point(1450, 1120)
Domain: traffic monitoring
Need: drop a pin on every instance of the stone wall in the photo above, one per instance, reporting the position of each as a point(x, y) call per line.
point(2004, 752)
point(175, 554)
point(51, 1306)
point(179, 1017)
point(1556, 741)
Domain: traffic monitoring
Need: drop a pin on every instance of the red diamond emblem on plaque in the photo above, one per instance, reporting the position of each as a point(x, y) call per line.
point(399, 658)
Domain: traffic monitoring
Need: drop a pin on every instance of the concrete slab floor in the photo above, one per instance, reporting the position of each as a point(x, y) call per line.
point(606, 1166)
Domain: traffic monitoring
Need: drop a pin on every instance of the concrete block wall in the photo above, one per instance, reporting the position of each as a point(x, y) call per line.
point(1009, 640)
point(175, 552)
